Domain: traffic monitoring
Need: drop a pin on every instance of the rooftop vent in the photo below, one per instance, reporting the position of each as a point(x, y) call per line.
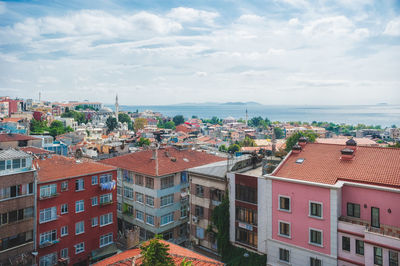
point(302, 141)
point(347, 154)
point(296, 148)
point(351, 142)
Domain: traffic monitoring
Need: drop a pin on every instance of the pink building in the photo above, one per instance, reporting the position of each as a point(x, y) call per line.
point(329, 204)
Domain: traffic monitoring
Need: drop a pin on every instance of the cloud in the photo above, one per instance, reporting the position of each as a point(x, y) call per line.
point(3, 7)
point(201, 74)
point(185, 14)
point(393, 27)
point(250, 19)
point(337, 26)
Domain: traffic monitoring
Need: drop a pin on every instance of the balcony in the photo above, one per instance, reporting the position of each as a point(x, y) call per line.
point(106, 203)
point(48, 243)
point(383, 230)
point(49, 196)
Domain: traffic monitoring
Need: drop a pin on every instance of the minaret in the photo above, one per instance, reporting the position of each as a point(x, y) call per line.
point(247, 117)
point(116, 107)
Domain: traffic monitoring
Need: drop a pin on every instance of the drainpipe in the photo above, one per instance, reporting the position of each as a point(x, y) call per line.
point(35, 214)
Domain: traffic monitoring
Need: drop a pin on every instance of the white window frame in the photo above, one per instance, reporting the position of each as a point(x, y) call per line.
point(64, 230)
point(106, 198)
point(95, 179)
point(48, 190)
point(167, 215)
point(96, 201)
point(150, 198)
point(136, 198)
point(64, 253)
point(279, 203)
point(80, 181)
point(61, 208)
point(309, 209)
point(95, 221)
point(148, 215)
point(78, 206)
point(170, 200)
point(108, 238)
point(79, 248)
point(106, 219)
point(279, 255)
point(315, 258)
point(49, 258)
point(53, 214)
point(136, 216)
point(322, 237)
point(279, 229)
point(78, 226)
point(47, 236)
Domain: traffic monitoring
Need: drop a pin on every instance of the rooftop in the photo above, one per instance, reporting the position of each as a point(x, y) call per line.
point(323, 164)
point(177, 253)
point(35, 150)
point(12, 154)
point(342, 141)
point(170, 160)
point(7, 137)
point(60, 167)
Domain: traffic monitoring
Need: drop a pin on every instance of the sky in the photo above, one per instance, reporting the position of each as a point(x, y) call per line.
point(301, 52)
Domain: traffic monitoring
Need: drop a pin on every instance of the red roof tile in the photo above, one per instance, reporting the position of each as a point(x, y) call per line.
point(59, 167)
point(12, 119)
point(177, 253)
point(5, 137)
point(35, 150)
point(322, 164)
point(142, 162)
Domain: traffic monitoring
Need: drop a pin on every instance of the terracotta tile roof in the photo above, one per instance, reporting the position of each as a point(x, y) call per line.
point(12, 119)
point(59, 167)
point(177, 253)
point(35, 150)
point(342, 141)
point(5, 137)
point(322, 164)
point(142, 162)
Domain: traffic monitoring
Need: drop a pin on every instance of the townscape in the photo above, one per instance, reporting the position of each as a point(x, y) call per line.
point(81, 183)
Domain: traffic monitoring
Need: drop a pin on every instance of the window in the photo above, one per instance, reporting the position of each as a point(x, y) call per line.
point(199, 232)
point(105, 178)
point(128, 176)
point(199, 191)
point(139, 197)
point(139, 215)
point(106, 240)
point(245, 193)
point(246, 237)
point(94, 201)
point(119, 190)
point(94, 180)
point(246, 215)
point(2, 165)
point(316, 209)
point(79, 248)
point(184, 210)
point(48, 260)
point(128, 192)
point(48, 237)
point(375, 217)
point(64, 208)
point(166, 219)
point(119, 207)
point(284, 229)
point(353, 210)
point(48, 190)
point(139, 180)
point(106, 198)
point(167, 182)
point(284, 203)
point(184, 177)
point(106, 219)
point(8, 164)
point(315, 237)
point(95, 221)
point(198, 211)
point(284, 255)
point(168, 235)
point(167, 200)
point(149, 182)
point(23, 162)
point(79, 206)
point(79, 184)
point(16, 163)
point(345, 243)
point(393, 258)
point(79, 228)
point(64, 230)
point(64, 186)
point(150, 219)
point(64, 253)
point(149, 201)
point(48, 214)
point(359, 247)
point(378, 256)
point(315, 262)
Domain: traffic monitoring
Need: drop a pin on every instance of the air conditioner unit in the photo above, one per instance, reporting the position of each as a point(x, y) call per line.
point(196, 241)
point(195, 220)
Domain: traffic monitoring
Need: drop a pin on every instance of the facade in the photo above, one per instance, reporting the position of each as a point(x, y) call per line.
point(10, 140)
point(153, 191)
point(17, 208)
point(76, 210)
point(327, 204)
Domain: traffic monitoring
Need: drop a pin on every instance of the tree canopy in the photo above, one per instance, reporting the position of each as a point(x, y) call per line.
point(178, 119)
point(143, 142)
point(259, 122)
point(279, 134)
point(122, 117)
point(77, 116)
point(155, 253)
point(140, 123)
point(56, 127)
point(111, 123)
point(293, 139)
point(248, 142)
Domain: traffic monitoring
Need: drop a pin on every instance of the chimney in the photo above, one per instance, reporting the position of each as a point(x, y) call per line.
point(302, 142)
point(347, 154)
point(351, 144)
point(296, 148)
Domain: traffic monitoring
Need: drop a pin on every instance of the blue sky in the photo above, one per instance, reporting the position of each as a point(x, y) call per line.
point(165, 52)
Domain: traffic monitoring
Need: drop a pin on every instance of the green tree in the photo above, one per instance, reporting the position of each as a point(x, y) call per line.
point(233, 148)
point(111, 123)
point(143, 142)
point(77, 116)
point(169, 125)
point(278, 133)
point(216, 121)
point(155, 253)
point(293, 139)
point(220, 221)
point(140, 123)
point(222, 148)
point(57, 128)
point(178, 119)
point(38, 127)
point(248, 142)
point(122, 117)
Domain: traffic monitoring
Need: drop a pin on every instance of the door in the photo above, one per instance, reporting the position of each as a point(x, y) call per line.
point(375, 217)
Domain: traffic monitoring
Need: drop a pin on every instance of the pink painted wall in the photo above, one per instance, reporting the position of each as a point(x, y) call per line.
point(383, 200)
point(299, 216)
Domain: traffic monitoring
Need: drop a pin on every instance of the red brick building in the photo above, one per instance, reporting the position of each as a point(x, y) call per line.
point(76, 210)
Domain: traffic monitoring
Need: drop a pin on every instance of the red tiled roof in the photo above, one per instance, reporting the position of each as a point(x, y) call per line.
point(12, 119)
point(141, 162)
point(34, 150)
point(59, 167)
point(177, 253)
point(322, 164)
point(5, 137)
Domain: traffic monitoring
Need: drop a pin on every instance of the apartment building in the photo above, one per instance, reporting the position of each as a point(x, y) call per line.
point(76, 211)
point(153, 190)
point(17, 208)
point(326, 204)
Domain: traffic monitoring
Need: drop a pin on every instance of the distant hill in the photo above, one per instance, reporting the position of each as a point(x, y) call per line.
point(241, 103)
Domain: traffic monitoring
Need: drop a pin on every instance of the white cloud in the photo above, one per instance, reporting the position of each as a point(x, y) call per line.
point(393, 27)
point(337, 26)
point(201, 74)
point(3, 7)
point(185, 14)
point(294, 22)
point(251, 19)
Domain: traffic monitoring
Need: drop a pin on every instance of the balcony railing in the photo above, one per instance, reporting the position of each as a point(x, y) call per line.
point(49, 243)
point(49, 196)
point(384, 230)
point(105, 203)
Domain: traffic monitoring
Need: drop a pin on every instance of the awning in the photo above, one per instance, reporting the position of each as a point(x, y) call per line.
point(103, 252)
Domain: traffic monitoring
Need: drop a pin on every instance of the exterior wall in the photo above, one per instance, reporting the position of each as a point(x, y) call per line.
point(263, 210)
point(91, 235)
point(232, 211)
point(298, 217)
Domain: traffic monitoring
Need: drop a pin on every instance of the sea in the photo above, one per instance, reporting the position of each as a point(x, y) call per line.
point(382, 114)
